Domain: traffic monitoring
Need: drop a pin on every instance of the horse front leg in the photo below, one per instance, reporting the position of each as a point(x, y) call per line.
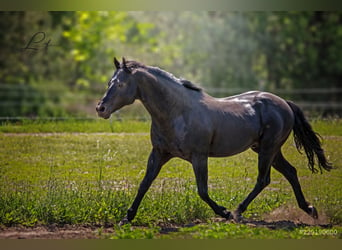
point(264, 165)
point(155, 162)
point(200, 166)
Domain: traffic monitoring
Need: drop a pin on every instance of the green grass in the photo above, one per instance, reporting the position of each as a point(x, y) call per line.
point(74, 125)
point(92, 178)
point(324, 127)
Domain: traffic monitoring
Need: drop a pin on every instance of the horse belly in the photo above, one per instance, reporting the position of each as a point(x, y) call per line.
point(231, 142)
point(225, 149)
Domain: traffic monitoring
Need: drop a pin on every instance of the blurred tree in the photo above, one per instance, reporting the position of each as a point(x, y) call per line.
point(298, 49)
point(211, 48)
point(95, 37)
point(27, 60)
point(53, 50)
point(229, 50)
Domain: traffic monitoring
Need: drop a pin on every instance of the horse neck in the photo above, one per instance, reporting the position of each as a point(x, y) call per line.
point(163, 99)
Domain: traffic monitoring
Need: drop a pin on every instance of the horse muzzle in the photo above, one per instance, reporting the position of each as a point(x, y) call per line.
point(102, 111)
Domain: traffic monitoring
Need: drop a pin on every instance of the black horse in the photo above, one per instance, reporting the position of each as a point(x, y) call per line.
point(190, 124)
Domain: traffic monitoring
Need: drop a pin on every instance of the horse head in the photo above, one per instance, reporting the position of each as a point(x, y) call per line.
point(122, 90)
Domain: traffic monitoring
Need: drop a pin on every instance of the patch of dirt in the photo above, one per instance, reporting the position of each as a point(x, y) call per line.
point(295, 215)
point(284, 217)
point(288, 217)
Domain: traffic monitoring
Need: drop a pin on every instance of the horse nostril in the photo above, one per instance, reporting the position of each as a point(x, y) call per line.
point(100, 108)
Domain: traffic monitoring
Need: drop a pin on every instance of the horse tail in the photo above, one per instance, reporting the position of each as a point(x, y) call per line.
point(306, 138)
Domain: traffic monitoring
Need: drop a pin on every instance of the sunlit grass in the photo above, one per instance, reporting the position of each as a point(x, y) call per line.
point(91, 179)
point(73, 125)
point(116, 125)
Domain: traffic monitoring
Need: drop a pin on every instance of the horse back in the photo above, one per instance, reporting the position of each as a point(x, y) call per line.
point(242, 120)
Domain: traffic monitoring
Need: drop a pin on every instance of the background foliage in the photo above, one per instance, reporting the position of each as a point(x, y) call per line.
point(65, 67)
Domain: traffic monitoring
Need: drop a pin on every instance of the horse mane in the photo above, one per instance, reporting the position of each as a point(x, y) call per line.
point(135, 65)
point(159, 72)
point(190, 85)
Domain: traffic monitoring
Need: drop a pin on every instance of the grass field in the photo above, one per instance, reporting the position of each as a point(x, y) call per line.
point(87, 176)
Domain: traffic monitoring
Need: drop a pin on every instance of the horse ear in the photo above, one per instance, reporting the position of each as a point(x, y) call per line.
point(116, 63)
point(125, 68)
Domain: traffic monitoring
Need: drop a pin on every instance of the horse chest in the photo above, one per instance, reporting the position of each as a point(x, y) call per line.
point(172, 137)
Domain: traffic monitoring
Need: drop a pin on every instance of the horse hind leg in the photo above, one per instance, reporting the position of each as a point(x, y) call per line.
point(290, 173)
point(268, 147)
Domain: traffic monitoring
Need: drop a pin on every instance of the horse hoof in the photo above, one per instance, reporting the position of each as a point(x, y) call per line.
point(124, 221)
point(313, 212)
point(237, 217)
point(227, 215)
